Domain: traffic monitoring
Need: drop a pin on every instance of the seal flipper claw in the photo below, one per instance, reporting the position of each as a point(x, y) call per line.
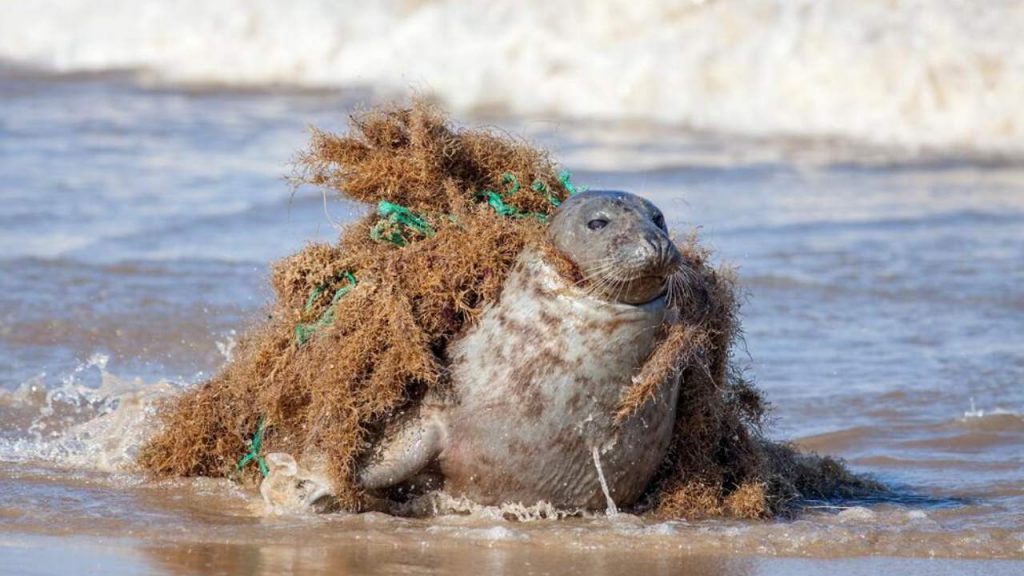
point(291, 488)
point(408, 448)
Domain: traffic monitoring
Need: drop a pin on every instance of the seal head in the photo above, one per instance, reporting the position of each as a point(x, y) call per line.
point(619, 242)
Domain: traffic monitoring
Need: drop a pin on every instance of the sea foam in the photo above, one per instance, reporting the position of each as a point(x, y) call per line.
point(939, 73)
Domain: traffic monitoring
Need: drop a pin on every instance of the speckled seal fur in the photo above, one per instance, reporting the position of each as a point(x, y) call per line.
point(537, 385)
point(537, 380)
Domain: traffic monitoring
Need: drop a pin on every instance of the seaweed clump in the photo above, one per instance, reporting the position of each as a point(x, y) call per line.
point(359, 329)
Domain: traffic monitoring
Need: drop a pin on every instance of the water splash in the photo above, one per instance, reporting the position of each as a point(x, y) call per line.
point(91, 420)
point(226, 347)
point(976, 413)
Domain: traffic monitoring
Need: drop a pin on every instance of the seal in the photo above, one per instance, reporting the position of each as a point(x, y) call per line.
point(536, 381)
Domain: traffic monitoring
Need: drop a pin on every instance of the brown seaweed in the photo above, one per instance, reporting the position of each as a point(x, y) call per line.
point(359, 329)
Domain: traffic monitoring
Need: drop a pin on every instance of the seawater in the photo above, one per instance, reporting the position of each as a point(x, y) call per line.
point(917, 73)
point(883, 314)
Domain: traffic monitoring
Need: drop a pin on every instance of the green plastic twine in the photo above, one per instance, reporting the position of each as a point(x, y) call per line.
point(399, 219)
point(255, 445)
point(497, 201)
point(541, 187)
point(303, 332)
point(564, 177)
point(510, 178)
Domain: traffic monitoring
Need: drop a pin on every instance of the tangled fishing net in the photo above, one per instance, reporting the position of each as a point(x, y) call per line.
point(359, 329)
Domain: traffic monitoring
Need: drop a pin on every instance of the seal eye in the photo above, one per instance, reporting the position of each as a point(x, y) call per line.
point(597, 223)
point(659, 221)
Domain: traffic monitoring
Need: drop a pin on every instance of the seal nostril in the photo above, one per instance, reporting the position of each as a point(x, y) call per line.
point(655, 244)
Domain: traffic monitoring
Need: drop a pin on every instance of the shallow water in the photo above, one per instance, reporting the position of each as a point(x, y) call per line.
point(884, 319)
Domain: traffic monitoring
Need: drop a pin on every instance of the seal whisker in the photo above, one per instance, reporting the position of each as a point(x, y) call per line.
point(600, 267)
point(670, 291)
point(681, 283)
point(596, 274)
point(680, 288)
point(598, 270)
point(620, 286)
point(605, 274)
point(607, 284)
point(604, 286)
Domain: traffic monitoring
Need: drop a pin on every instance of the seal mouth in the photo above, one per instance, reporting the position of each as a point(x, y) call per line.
point(645, 297)
point(646, 302)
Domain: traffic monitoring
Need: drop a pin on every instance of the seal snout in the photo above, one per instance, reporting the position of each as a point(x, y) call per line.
point(650, 258)
point(662, 256)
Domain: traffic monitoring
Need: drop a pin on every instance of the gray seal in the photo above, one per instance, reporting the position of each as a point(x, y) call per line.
point(537, 380)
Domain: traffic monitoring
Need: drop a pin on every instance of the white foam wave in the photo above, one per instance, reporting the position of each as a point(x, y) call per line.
point(935, 73)
point(79, 425)
point(976, 413)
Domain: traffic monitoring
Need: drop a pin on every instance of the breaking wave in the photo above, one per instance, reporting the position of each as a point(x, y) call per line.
point(935, 74)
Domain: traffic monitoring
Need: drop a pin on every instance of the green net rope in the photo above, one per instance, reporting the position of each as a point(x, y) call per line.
point(255, 446)
point(303, 332)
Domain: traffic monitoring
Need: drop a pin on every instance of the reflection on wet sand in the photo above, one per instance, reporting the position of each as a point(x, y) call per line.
point(455, 559)
point(120, 556)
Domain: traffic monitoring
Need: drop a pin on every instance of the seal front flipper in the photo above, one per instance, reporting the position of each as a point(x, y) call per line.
point(408, 446)
point(290, 487)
